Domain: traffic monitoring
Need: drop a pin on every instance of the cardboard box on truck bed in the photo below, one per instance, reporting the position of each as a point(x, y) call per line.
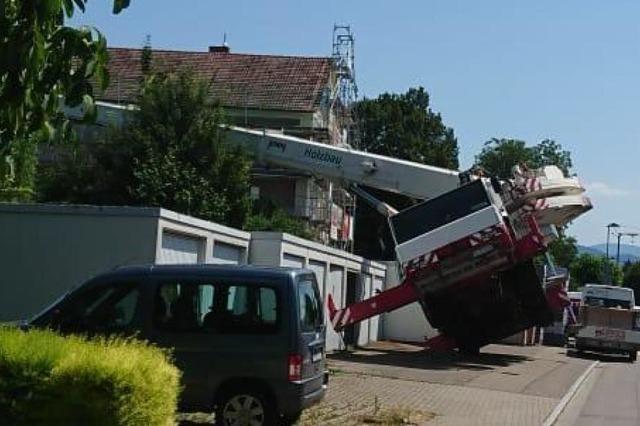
point(607, 317)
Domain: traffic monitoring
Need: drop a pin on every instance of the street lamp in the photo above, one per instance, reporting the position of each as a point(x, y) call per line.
point(607, 271)
point(609, 226)
point(620, 235)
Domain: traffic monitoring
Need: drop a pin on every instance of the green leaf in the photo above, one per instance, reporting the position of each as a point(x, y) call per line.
point(68, 8)
point(49, 132)
point(91, 68)
point(119, 5)
point(80, 4)
point(89, 108)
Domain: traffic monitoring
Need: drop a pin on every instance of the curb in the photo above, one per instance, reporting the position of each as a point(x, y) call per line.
point(553, 416)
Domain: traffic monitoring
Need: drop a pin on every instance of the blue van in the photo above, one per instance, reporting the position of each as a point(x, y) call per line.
point(250, 341)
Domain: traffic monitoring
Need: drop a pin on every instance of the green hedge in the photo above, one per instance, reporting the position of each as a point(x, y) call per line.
point(49, 379)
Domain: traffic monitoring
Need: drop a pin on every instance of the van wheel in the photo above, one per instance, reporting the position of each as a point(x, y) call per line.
point(632, 356)
point(245, 408)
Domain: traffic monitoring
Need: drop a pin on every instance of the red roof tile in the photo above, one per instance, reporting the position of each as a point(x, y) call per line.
point(237, 80)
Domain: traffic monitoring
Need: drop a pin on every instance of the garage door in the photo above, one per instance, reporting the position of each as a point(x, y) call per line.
point(335, 288)
point(178, 248)
point(292, 261)
point(228, 253)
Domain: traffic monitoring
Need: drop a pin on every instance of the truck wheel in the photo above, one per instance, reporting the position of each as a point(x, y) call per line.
point(632, 356)
point(470, 349)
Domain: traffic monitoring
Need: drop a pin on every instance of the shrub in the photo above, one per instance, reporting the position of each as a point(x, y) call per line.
point(49, 379)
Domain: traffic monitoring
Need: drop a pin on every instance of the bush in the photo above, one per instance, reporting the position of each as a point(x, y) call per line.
point(49, 379)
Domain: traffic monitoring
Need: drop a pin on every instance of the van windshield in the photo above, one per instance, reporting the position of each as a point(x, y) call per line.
point(607, 303)
point(309, 306)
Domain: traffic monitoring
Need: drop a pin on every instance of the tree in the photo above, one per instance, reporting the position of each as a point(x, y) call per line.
point(587, 268)
point(550, 153)
point(267, 216)
point(631, 274)
point(41, 62)
point(401, 126)
point(632, 278)
point(498, 156)
point(171, 154)
point(563, 250)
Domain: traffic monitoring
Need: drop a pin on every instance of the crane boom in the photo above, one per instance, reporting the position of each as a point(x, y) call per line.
point(346, 165)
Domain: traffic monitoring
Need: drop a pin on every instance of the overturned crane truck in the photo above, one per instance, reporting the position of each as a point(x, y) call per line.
point(466, 252)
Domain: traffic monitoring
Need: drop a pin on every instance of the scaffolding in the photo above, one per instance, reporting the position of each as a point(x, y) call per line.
point(339, 208)
point(346, 91)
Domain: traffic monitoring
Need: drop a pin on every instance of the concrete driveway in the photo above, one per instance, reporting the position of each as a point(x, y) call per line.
point(509, 385)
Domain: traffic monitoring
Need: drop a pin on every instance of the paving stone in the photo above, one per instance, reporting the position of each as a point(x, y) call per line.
point(509, 386)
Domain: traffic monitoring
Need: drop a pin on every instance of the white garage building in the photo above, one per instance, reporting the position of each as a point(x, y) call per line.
point(348, 278)
point(47, 249)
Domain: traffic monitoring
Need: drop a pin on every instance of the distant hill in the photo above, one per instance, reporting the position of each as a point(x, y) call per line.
point(628, 252)
point(590, 250)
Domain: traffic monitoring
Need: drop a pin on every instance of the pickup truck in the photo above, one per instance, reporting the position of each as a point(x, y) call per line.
point(608, 322)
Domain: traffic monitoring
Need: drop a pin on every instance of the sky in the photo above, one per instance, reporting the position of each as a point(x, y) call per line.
point(564, 70)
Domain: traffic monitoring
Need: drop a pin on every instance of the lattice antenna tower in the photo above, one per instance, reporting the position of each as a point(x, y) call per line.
point(347, 90)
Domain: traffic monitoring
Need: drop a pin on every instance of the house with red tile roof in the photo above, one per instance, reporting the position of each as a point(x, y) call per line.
point(293, 94)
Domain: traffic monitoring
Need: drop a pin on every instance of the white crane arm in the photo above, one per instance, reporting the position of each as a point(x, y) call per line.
point(344, 164)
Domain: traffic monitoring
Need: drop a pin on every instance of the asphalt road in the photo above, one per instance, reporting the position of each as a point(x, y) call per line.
point(610, 396)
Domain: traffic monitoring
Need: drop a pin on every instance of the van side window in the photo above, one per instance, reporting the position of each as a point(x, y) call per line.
point(216, 308)
point(309, 306)
point(109, 308)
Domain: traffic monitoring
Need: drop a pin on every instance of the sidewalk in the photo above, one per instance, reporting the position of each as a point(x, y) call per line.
point(505, 385)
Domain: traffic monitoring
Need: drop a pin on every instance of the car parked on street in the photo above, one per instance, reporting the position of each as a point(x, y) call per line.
point(250, 341)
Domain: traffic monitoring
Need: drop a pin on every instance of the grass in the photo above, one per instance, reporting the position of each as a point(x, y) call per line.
point(396, 416)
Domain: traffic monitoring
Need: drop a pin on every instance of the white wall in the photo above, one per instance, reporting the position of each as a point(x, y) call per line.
point(336, 288)
point(408, 323)
point(215, 243)
point(180, 249)
point(329, 265)
point(45, 250)
point(364, 292)
point(375, 331)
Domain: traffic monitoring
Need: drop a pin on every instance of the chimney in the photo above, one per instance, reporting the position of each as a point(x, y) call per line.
point(219, 49)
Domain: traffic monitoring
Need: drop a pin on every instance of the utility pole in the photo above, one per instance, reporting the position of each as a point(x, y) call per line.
point(620, 235)
point(607, 267)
